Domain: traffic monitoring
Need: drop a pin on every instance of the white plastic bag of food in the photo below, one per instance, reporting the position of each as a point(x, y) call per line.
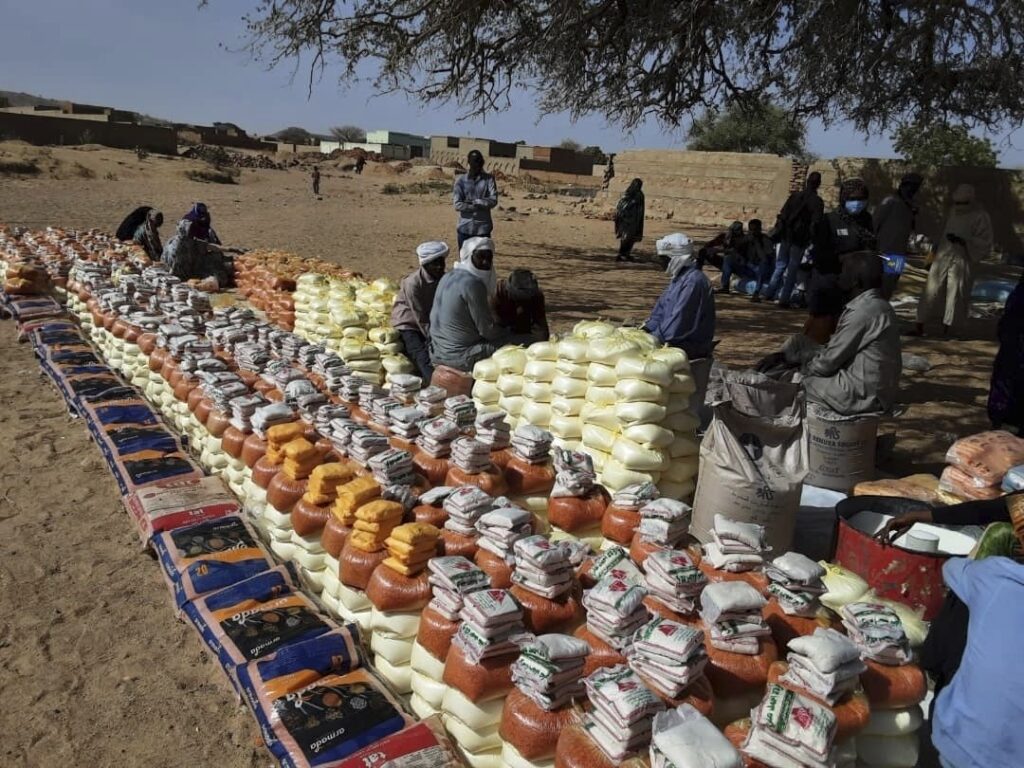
point(537, 391)
point(637, 458)
point(614, 476)
point(639, 413)
point(573, 348)
point(572, 369)
point(565, 427)
point(605, 396)
point(542, 350)
point(598, 438)
point(487, 370)
point(510, 384)
point(644, 368)
point(513, 406)
point(600, 416)
point(602, 375)
point(650, 435)
point(637, 391)
point(563, 386)
point(536, 414)
point(485, 392)
point(564, 406)
point(674, 357)
point(510, 359)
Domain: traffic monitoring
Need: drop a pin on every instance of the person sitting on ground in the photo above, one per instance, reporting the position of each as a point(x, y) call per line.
point(147, 234)
point(195, 252)
point(1006, 394)
point(519, 306)
point(684, 315)
point(410, 315)
point(725, 244)
point(858, 370)
point(847, 229)
point(759, 253)
point(967, 241)
point(463, 330)
point(629, 219)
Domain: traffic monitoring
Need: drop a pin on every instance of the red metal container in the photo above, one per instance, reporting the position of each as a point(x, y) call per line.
point(895, 573)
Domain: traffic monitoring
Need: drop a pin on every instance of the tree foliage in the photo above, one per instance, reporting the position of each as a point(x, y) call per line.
point(931, 144)
point(293, 135)
point(600, 158)
point(572, 144)
point(877, 63)
point(348, 133)
point(749, 127)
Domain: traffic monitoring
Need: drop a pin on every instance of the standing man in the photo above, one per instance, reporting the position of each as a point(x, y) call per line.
point(894, 219)
point(629, 219)
point(410, 315)
point(474, 195)
point(316, 180)
point(795, 227)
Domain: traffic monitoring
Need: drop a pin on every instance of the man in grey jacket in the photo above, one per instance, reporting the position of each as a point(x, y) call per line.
point(463, 329)
point(474, 195)
point(858, 371)
point(410, 315)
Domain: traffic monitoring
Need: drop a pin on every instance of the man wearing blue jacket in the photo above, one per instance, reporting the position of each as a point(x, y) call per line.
point(474, 195)
point(684, 315)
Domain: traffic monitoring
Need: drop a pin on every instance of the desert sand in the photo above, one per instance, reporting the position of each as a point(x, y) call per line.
point(94, 665)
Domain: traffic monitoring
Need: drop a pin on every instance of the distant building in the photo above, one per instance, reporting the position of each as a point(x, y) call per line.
point(419, 146)
point(513, 159)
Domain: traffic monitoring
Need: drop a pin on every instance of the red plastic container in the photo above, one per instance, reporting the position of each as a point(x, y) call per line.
point(895, 573)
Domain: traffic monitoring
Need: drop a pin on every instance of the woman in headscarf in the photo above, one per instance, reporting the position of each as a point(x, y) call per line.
point(195, 252)
point(629, 220)
point(1006, 395)
point(147, 234)
point(462, 326)
point(846, 229)
point(967, 240)
point(684, 315)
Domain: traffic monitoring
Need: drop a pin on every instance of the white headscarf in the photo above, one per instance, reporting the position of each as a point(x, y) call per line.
point(471, 246)
point(679, 248)
point(429, 251)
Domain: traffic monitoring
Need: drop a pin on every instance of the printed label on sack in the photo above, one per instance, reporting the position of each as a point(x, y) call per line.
point(325, 717)
point(261, 630)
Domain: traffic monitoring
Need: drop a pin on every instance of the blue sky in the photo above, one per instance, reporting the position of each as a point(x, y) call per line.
point(171, 60)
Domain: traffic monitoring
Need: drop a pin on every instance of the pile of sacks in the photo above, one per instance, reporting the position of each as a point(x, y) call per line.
point(609, 391)
point(979, 463)
point(267, 280)
point(351, 317)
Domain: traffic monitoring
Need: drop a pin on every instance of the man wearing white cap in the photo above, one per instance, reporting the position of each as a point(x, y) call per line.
point(410, 315)
point(463, 329)
point(684, 315)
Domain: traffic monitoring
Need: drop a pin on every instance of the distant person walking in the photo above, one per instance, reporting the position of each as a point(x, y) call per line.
point(794, 229)
point(629, 219)
point(474, 195)
point(895, 220)
point(967, 240)
point(316, 180)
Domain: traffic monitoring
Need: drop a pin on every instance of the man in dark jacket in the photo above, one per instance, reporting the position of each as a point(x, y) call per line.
point(519, 307)
point(795, 227)
point(895, 218)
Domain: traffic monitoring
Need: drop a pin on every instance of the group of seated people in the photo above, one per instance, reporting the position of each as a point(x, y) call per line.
point(195, 252)
point(854, 369)
point(458, 318)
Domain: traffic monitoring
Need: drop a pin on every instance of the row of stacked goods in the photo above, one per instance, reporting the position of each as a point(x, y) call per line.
point(611, 392)
point(267, 280)
point(351, 317)
point(457, 550)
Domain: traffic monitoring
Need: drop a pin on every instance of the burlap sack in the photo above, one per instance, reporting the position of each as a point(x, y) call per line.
point(753, 458)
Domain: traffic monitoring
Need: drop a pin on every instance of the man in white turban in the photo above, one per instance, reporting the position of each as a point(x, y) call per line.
point(966, 241)
point(410, 315)
point(463, 329)
point(684, 315)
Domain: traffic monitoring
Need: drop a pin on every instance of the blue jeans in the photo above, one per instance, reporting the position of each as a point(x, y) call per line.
point(764, 274)
point(734, 265)
point(787, 263)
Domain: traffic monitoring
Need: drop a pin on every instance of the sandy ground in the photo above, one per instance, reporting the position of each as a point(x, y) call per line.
point(93, 664)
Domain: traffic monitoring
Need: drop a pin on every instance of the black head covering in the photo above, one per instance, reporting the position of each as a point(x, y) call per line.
point(813, 180)
point(634, 186)
point(862, 271)
point(852, 188)
point(522, 285)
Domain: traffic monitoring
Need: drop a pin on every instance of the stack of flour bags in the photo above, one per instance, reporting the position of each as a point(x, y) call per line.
point(795, 581)
point(878, 632)
point(623, 711)
point(826, 664)
point(668, 656)
point(788, 729)
point(615, 610)
point(733, 613)
point(736, 547)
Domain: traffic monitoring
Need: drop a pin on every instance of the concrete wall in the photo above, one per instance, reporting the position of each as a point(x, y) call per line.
point(42, 130)
point(394, 137)
point(705, 188)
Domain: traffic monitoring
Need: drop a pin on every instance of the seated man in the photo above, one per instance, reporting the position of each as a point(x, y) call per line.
point(519, 305)
point(684, 315)
point(721, 245)
point(758, 255)
point(858, 371)
point(462, 329)
point(410, 315)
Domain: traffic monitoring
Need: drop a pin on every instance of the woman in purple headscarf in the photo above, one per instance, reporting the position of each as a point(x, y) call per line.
point(195, 251)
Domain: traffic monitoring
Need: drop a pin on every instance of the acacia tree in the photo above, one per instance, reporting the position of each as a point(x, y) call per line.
point(877, 63)
point(939, 144)
point(345, 133)
point(749, 127)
